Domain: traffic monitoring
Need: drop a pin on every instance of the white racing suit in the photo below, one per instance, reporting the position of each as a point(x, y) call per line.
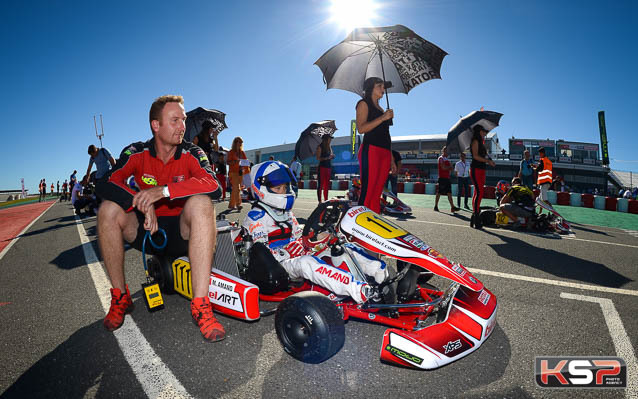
point(283, 238)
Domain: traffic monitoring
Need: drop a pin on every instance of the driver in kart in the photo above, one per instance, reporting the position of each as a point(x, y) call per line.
point(518, 202)
point(272, 223)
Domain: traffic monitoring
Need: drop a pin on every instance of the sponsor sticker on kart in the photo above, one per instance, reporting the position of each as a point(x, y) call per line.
point(458, 269)
point(451, 346)
point(222, 293)
point(378, 225)
point(484, 297)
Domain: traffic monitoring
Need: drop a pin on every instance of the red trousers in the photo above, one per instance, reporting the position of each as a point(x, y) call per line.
point(324, 182)
point(374, 166)
point(478, 179)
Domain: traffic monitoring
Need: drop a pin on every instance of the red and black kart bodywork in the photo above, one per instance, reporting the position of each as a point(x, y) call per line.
point(430, 330)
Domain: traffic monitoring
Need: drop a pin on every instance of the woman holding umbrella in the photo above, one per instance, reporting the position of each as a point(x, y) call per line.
point(375, 155)
point(477, 172)
point(203, 139)
point(324, 155)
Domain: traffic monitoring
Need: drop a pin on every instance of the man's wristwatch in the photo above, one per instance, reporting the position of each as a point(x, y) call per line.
point(165, 192)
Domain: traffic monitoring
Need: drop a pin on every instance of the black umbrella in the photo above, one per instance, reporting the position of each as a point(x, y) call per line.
point(459, 137)
point(394, 53)
point(310, 138)
point(196, 117)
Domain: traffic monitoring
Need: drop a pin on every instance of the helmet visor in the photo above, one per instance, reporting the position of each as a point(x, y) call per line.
point(277, 177)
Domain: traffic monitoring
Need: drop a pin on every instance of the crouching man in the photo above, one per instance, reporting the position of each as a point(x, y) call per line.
point(518, 202)
point(176, 187)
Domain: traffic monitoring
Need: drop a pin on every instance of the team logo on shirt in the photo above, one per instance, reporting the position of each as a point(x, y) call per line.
point(177, 179)
point(149, 180)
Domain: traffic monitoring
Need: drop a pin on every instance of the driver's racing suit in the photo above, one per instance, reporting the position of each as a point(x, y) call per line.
point(283, 238)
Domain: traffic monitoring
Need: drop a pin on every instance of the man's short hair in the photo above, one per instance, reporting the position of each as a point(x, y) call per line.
point(158, 106)
point(517, 181)
point(92, 149)
point(541, 149)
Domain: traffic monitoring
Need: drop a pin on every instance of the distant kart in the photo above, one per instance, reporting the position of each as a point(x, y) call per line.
point(429, 327)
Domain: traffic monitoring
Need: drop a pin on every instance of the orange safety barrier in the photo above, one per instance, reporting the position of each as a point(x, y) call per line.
point(562, 198)
point(419, 188)
point(588, 200)
point(400, 187)
point(633, 206)
point(610, 203)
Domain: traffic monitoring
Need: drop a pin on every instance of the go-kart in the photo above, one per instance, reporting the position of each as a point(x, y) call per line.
point(390, 202)
point(539, 221)
point(428, 327)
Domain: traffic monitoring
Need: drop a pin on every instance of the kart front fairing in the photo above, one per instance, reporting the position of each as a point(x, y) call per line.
point(377, 234)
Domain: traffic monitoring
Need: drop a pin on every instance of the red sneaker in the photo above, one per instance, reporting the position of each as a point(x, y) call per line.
point(121, 303)
point(202, 313)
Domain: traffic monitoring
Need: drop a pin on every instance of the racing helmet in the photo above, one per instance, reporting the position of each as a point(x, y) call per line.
point(502, 186)
point(269, 174)
point(356, 182)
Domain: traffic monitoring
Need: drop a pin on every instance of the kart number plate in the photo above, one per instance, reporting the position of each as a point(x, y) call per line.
point(378, 225)
point(501, 218)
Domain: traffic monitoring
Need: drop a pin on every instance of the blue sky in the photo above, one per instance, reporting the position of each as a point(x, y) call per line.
point(548, 66)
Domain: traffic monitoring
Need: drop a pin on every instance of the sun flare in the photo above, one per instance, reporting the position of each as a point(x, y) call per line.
point(350, 14)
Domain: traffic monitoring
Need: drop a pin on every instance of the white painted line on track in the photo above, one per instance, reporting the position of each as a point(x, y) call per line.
point(555, 282)
point(6, 249)
point(156, 378)
point(571, 236)
point(619, 336)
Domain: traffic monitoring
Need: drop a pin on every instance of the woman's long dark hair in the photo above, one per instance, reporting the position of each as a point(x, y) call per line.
point(204, 134)
point(325, 145)
point(368, 87)
point(476, 135)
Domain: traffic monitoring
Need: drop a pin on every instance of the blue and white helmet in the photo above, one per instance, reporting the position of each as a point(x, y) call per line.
point(269, 174)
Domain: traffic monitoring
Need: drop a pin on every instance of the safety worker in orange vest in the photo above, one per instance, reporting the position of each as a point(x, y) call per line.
point(544, 170)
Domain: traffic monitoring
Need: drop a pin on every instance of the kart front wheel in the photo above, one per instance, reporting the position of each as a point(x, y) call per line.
point(310, 327)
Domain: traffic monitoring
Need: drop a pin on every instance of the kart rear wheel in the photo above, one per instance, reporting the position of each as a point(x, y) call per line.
point(309, 327)
point(160, 268)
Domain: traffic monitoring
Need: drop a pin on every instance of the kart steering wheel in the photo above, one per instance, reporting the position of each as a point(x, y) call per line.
point(325, 216)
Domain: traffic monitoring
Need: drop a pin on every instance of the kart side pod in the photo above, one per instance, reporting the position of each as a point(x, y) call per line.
point(470, 320)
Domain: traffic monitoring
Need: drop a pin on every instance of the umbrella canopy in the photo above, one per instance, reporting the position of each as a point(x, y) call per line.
point(310, 138)
point(196, 117)
point(459, 137)
point(393, 53)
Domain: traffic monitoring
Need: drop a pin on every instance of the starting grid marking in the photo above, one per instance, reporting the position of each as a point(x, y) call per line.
point(633, 233)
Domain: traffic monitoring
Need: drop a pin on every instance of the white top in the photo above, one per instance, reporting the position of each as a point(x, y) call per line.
point(295, 168)
point(462, 169)
point(77, 190)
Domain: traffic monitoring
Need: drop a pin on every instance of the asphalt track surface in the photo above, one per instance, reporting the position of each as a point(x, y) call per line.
point(557, 296)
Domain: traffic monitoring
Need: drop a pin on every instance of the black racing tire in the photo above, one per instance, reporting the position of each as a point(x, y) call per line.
point(160, 268)
point(310, 327)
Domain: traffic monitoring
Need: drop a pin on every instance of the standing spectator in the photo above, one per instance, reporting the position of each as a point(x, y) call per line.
point(235, 172)
point(58, 192)
point(325, 156)
point(480, 160)
point(393, 178)
point(526, 171)
point(220, 172)
point(544, 170)
point(64, 191)
point(72, 180)
point(52, 188)
point(103, 162)
point(40, 191)
point(375, 157)
point(44, 189)
point(462, 170)
point(203, 139)
point(445, 185)
point(295, 168)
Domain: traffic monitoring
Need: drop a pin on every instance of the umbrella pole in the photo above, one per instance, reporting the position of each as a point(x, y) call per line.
point(387, 101)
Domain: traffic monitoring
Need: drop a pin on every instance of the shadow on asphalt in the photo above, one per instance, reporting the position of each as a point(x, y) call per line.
point(61, 219)
point(40, 231)
point(356, 371)
point(576, 226)
point(88, 364)
point(557, 263)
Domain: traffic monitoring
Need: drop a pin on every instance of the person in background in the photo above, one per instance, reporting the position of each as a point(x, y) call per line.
point(480, 160)
point(445, 185)
point(235, 172)
point(393, 178)
point(545, 174)
point(517, 202)
point(65, 187)
point(295, 168)
point(72, 180)
point(375, 157)
point(102, 159)
point(220, 172)
point(203, 139)
point(526, 171)
point(325, 156)
point(462, 170)
point(80, 201)
point(52, 188)
point(40, 191)
point(58, 192)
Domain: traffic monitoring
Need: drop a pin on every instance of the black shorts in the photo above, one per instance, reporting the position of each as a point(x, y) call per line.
point(445, 187)
point(176, 245)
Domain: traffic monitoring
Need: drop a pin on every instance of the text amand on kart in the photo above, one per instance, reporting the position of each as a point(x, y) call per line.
point(428, 327)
